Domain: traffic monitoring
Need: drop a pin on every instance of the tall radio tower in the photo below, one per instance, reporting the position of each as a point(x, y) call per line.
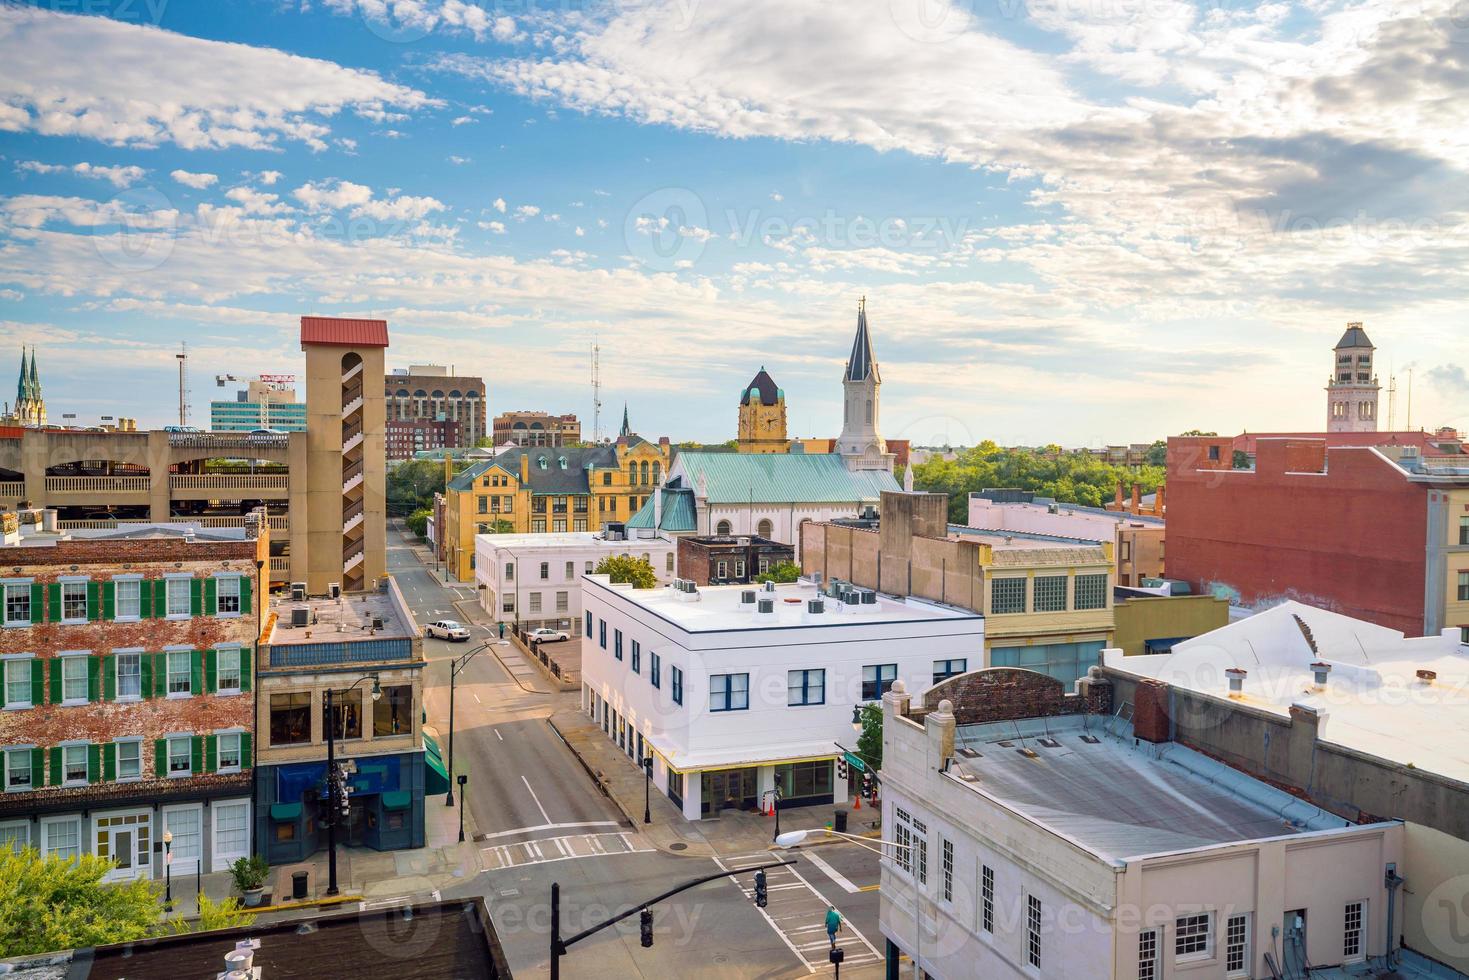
point(596, 391)
point(183, 358)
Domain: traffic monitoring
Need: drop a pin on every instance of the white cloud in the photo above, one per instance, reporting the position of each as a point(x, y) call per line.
point(12, 295)
point(196, 181)
point(253, 201)
point(495, 227)
point(457, 160)
point(121, 176)
point(526, 211)
point(143, 86)
point(404, 208)
point(331, 195)
point(462, 120)
point(777, 196)
point(499, 204)
point(579, 231)
point(269, 177)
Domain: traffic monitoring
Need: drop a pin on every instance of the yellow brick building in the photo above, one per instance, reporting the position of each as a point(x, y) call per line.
point(545, 489)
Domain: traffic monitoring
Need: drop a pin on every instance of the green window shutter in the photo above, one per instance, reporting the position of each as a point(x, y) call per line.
point(245, 670)
point(94, 762)
point(196, 754)
point(38, 767)
point(160, 675)
point(160, 757)
point(145, 675)
point(211, 753)
point(145, 599)
point(55, 767)
point(196, 676)
point(211, 605)
point(54, 600)
point(55, 680)
point(94, 678)
point(94, 601)
point(109, 600)
point(109, 678)
point(38, 682)
point(109, 762)
point(196, 597)
point(245, 585)
point(245, 760)
point(160, 598)
point(38, 599)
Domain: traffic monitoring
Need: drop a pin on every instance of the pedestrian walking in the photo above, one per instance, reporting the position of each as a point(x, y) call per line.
point(833, 924)
point(502, 630)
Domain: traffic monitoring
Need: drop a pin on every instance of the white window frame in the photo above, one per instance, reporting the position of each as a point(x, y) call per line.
point(73, 656)
point(219, 738)
point(219, 857)
point(946, 870)
point(73, 580)
point(1197, 955)
point(117, 582)
point(188, 741)
point(1242, 947)
point(986, 899)
point(5, 768)
point(135, 654)
point(1148, 960)
point(220, 579)
point(5, 666)
point(1034, 924)
point(46, 826)
point(117, 759)
point(67, 748)
point(168, 654)
point(1361, 931)
point(169, 582)
point(219, 655)
point(7, 832)
point(16, 583)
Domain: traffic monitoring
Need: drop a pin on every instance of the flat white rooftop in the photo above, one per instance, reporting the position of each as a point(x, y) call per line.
point(1120, 799)
point(578, 540)
point(719, 608)
point(1373, 701)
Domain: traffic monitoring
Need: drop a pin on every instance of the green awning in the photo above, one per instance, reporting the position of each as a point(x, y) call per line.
point(398, 799)
point(285, 811)
point(435, 773)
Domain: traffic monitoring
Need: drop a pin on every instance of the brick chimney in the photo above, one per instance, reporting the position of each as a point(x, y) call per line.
point(1137, 498)
point(524, 469)
point(1150, 711)
point(1158, 501)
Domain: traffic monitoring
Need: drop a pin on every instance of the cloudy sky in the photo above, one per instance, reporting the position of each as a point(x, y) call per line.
point(1080, 221)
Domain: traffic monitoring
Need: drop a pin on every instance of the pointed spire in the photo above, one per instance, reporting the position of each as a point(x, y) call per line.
point(35, 378)
point(626, 429)
point(21, 385)
point(861, 365)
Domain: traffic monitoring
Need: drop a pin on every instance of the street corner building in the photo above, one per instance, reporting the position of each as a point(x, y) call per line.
point(128, 697)
point(743, 697)
point(366, 649)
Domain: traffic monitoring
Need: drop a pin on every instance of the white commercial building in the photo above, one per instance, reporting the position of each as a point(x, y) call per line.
point(729, 687)
point(1062, 847)
point(535, 579)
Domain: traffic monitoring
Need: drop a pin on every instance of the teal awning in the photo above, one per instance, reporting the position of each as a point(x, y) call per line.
point(435, 773)
point(398, 799)
point(285, 811)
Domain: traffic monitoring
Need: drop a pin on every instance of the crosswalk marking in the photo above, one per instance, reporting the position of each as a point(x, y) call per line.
point(566, 848)
point(797, 914)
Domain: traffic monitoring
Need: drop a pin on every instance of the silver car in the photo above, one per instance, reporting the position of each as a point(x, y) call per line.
point(447, 629)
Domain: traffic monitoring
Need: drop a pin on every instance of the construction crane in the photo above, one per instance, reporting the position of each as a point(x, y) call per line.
point(272, 382)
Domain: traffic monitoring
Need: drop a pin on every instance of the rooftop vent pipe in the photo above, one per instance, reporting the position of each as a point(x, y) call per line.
point(1320, 670)
point(1236, 677)
point(1427, 676)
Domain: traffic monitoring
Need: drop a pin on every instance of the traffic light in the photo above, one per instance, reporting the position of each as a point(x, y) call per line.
point(760, 899)
point(842, 769)
point(867, 784)
point(645, 926)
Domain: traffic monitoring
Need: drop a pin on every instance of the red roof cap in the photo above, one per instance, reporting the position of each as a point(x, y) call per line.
point(343, 332)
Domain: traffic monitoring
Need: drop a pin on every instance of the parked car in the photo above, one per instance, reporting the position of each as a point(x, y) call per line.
point(544, 635)
point(448, 629)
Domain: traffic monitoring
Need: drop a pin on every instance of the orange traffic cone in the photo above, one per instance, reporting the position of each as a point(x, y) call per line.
point(858, 805)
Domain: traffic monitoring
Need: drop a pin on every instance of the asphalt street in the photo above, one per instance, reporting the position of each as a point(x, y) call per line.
point(538, 819)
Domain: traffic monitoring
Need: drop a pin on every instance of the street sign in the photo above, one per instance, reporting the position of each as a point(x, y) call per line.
point(855, 761)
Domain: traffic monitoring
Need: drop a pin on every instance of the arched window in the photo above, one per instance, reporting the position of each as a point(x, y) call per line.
point(657, 471)
point(632, 472)
point(454, 393)
point(668, 563)
point(402, 392)
point(765, 529)
point(722, 529)
point(645, 472)
point(869, 411)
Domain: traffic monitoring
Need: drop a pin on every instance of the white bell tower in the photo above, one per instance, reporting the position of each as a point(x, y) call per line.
point(861, 444)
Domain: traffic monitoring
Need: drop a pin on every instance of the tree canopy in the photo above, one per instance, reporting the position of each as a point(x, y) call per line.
point(1074, 478)
point(638, 572)
point(51, 903)
point(781, 571)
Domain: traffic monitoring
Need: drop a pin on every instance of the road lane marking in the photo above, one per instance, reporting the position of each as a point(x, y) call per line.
point(550, 826)
point(478, 701)
point(832, 873)
point(567, 848)
point(533, 796)
point(496, 730)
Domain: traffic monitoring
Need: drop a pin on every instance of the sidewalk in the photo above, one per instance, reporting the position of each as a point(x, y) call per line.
point(732, 833)
point(363, 875)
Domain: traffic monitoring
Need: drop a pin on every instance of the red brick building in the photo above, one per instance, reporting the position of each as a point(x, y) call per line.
point(1371, 532)
point(402, 438)
point(128, 709)
point(730, 560)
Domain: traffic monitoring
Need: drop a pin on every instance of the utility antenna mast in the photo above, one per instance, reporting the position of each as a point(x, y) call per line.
point(1392, 401)
point(1409, 426)
point(183, 358)
point(596, 391)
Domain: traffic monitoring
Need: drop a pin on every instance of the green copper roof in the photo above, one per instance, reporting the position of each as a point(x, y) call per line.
point(777, 478)
point(678, 512)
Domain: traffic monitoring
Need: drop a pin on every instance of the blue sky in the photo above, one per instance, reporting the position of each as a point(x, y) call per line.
point(1080, 221)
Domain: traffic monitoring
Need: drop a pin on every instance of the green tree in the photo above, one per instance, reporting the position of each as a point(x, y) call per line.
point(1073, 478)
point(411, 486)
point(625, 568)
point(52, 903)
point(418, 521)
point(498, 526)
point(1158, 453)
point(869, 740)
point(227, 914)
point(1198, 432)
point(781, 571)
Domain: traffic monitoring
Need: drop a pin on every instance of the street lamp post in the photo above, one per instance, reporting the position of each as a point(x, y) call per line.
point(334, 781)
point(168, 871)
point(455, 666)
point(462, 780)
point(648, 790)
point(776, 807)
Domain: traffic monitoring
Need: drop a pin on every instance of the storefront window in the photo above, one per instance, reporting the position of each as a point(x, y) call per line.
point(346, 717)
point(290, 718)
point(806, 781)
point(393, 713)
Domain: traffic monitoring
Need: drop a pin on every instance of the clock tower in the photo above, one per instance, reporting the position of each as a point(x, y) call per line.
point(763, 416)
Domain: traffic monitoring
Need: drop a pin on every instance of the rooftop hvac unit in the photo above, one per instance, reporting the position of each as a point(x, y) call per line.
point(766, 607)
point(747, 597)
point(869, 597)
point(768, 587)
point(815, 606)
point(743, 542)
point(334, 589)
point(298, 591)
point(300, 616)
point(377, 622)
point(849, 597)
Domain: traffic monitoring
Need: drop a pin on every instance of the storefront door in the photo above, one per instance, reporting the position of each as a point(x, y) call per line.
point(125, 838)
point(728, 789)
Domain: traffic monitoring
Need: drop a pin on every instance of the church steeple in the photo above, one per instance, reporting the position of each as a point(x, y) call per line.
point(29, 408)
point(861, 364)
point(861, 444)
point(626, 428)
point(35, 383)
point(23, 385)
